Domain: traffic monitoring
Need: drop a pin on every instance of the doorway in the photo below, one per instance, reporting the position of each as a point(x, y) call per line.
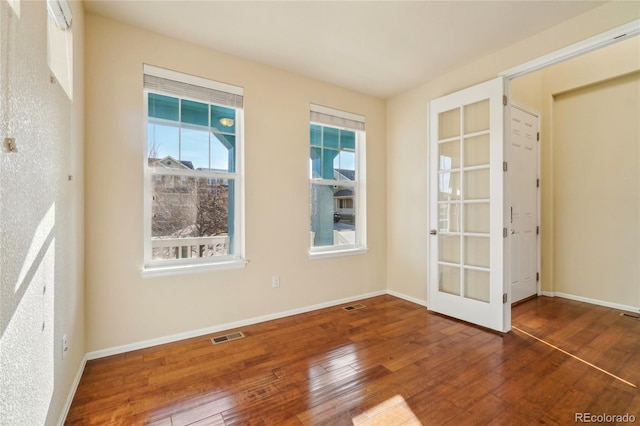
point(510, 261)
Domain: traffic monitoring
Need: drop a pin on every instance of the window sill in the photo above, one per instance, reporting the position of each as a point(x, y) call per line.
point(337, 253)
point(165, 271)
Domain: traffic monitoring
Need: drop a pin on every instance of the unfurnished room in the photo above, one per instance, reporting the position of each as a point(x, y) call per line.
point(319, 212)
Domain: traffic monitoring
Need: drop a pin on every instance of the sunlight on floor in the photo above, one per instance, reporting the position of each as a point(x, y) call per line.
point(393, 411)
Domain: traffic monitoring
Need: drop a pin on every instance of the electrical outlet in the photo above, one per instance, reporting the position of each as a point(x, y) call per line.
point(65, 345)
point(275, 281)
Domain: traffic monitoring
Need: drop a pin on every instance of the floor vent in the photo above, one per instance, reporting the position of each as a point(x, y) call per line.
point(635, 317)
point(353, 307)
point(227, 338)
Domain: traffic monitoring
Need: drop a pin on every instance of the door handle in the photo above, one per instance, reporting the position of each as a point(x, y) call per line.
point(513, 232)
point(433, 232)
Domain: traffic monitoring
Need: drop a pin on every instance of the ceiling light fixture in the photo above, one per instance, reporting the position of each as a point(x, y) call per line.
point(226, 122)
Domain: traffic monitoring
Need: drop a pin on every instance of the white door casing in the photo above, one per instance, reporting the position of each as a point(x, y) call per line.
point(467, 241)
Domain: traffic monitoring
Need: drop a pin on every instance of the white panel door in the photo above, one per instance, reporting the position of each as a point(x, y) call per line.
point(466, 260)
point(523, 178)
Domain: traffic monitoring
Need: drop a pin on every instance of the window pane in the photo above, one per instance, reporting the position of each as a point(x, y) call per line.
point(476, 285)
point(476, 218)
point(223, 119)
point(476, 117)
point(477, 184)
point(449, 155)
point(194, 148)
point(449, 247)
point(316, 135)
point(476, 150)
point(195, 113)
point(328, 157)
point(162, 142)
point(347, 140)
point(449, 217)
point(332, 215)
point(345, 165)
point(316, 162)
point(164, 107)
point(331, 137)
point(190, 217)
point(476, 251)
point(449, 186)
point(449, 124)
point(223, 152)
point(449, 279)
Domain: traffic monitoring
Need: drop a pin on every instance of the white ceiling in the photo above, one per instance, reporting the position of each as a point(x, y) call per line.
point(380, 48)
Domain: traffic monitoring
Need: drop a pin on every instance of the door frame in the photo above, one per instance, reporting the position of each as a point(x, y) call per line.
point(607, 38)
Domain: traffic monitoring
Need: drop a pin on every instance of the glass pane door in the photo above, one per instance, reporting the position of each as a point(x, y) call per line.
point(463, 201)
point(466, 205)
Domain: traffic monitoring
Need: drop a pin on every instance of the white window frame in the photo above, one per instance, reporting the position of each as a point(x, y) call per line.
point(234, 260)
point(330, 117)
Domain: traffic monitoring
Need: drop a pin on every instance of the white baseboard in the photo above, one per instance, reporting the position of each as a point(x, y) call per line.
point(209, 330)
point(408, 298)
point(72, 392)
point(592, 301)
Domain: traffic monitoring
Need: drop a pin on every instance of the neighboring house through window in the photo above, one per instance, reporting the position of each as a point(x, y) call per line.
point(337, 164)
point(193, 203)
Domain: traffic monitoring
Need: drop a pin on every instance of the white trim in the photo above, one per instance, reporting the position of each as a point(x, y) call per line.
point(72, 392)
point(604, 303)
point(60, 13)
point(192, 79)
point(607, 38)
point(209, 330)
point(337, 113)
point(336, 252)
point(154, 271)
point(408, 298)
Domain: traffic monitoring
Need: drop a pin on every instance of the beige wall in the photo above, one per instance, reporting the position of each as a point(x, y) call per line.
point(124, 308)
point(407, 159)
point(41, 232)
point(578, 74)
point(596, 191)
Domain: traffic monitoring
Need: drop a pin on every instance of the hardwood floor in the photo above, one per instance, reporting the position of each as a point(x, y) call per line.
point(391, 363)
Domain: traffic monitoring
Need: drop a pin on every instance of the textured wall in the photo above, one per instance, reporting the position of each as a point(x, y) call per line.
point(40, 226)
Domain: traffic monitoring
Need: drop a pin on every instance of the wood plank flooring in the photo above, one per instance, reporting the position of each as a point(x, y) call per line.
point(391, 363)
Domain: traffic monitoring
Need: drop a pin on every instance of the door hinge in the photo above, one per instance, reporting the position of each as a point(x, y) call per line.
point(511, 208)
point(504, 232)
point(505, 298)
point(537, 230)
point(504, 100)
point(505, 167)
point(537, 183)
point(538, 137)
point(537, 276)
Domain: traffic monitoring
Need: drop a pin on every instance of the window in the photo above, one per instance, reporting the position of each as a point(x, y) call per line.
point(193, 186)
point(337, 160)
point(60, 43)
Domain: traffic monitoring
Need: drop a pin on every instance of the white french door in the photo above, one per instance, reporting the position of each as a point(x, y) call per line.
point(466, 260)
